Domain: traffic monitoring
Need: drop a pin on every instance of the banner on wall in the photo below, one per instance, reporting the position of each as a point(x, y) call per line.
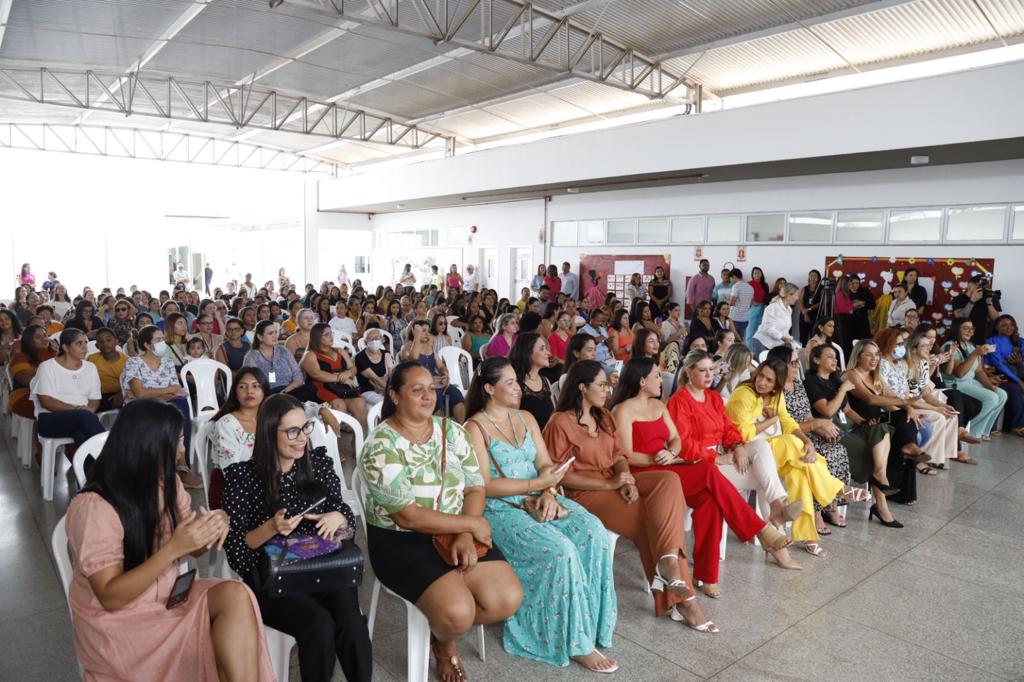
point(942, 278)
point(613, 272)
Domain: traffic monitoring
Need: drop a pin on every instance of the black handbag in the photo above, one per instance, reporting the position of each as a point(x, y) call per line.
point(325, 573)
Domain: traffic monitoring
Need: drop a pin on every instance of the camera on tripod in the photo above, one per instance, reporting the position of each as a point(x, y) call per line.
point(828, 284)
point(987, 292)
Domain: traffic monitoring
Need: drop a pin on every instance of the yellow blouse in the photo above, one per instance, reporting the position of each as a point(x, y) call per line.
point(745, 406)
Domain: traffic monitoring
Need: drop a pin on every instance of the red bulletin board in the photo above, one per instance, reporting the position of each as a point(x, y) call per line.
point(616, 279)
point(944, 278)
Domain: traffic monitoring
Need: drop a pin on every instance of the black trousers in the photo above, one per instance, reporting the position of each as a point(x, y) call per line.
point(326, 626)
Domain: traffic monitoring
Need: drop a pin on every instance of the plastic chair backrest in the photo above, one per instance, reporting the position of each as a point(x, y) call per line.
point(373, 415)
point(91, 348)
point(202, 458)
point(59, 545)
point(359, 488)
point(483, 350)
point(340, 337)
point(90, 448)
point(667, 385)
point(841, 355)
point(323, 437)
point(204, 373)
point(762, 356)
point(347, 346)
point(456, 333)
point(459, 364)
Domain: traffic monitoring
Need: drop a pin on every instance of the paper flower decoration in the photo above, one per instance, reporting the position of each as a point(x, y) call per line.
point(911, 260)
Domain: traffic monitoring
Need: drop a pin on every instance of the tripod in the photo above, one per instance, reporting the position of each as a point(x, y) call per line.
point(826, 309)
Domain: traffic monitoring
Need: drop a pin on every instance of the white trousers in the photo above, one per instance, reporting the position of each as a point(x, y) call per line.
point(762, 475)
point(942, 444)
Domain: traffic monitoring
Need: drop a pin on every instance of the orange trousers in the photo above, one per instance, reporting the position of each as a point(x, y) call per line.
point(654, 523)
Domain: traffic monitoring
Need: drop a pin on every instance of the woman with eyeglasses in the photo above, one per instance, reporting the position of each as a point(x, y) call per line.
point(964, 371)
point(758, 409)
point(122, 322)
point(84, 319)
point(422, 480)
point(647, 506)
point(267, 496)
point(235, 347)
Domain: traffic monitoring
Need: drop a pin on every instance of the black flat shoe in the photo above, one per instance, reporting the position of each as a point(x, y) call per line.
point(888, 524)
point(887, 490)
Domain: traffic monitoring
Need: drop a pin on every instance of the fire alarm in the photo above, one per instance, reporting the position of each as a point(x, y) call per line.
point(472, 229)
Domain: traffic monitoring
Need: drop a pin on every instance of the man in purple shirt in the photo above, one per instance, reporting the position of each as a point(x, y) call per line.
point(700, 286)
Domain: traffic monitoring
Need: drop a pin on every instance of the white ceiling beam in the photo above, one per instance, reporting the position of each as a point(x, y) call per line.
point(5, 14)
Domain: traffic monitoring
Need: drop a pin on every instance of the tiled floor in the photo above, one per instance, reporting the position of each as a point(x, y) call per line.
point(938, 600)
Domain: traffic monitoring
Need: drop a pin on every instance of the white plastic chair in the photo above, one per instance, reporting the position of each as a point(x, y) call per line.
point(48, 468)
point(203, 372)
point(21, 429)
point(324, 437)
point(841, 355)
point(91, 348)
point(456, 333)
point(667, 381)
point(458, 361)
point(347, 345)
point(373, 416)
point(762, 356)
point(483, 350)
point(90, 449)
point(613, 539)
point(418, 646)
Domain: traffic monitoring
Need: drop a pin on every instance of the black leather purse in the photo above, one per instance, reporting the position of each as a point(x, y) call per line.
point(325, 573)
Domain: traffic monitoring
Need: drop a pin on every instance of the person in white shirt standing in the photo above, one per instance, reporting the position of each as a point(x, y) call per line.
point(901, 304)
point(739, 301)
point(472, 281)
point(570, 282)
point(777, 322)
point(66, 392)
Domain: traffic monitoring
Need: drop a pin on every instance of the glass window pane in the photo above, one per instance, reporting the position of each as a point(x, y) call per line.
point(915, 225)
point(1018, 222)
point(859, 226)
point(976, 223)
point(591, 232)
point(621, 231)
point(770, 227)
point(689, 230)
point(563, 233)
point(814, 226)
point(652, 231)
point(725, 228)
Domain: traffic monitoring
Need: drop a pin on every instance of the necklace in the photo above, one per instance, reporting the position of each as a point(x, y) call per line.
point(405, 431)
point(513, 441)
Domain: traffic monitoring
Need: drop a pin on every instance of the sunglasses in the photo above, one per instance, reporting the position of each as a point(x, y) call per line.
point(120, 310)
point(293, 432)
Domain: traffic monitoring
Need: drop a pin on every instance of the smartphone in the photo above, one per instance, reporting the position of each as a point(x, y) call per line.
point(563, 466)
point(182, 586)
point(313, 506)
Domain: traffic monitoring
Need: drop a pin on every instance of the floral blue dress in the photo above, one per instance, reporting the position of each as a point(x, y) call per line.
point(565, 568)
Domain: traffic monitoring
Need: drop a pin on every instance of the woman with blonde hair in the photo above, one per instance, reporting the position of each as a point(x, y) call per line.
point(777, 321)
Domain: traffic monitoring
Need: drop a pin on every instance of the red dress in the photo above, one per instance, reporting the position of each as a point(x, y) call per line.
point(708, 493)
point(554, 287)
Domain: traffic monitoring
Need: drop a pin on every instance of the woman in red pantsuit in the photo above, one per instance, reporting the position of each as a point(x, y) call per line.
point(651, 443)
point(647, 508)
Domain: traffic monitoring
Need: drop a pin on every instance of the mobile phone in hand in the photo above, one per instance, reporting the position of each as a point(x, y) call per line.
point(180, 590)
point(563, 466)
point(313, 506)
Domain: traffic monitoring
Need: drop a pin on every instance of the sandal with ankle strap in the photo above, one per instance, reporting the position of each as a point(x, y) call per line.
point(676, 586)
point(454, 661)
point(707, 627)
point(815, 549)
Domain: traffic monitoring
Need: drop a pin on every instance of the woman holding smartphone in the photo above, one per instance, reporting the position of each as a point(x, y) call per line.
point(557, 548)
point(963, 370)
point(127, 532)
point(270, 495)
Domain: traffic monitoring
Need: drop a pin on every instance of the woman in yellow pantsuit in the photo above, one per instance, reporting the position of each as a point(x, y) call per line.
point(758, 409)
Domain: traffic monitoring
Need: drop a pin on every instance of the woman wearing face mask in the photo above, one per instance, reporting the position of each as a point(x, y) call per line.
point(373, 366)
point(152, 375)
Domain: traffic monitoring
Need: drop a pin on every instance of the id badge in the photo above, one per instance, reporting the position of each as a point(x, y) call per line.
point(272, 377)
point(842, 417)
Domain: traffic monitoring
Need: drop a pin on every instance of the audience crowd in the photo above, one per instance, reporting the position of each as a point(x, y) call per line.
point(508, 445)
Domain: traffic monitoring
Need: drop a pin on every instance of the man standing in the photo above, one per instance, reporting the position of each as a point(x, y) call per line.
point(472, 282)
point(207, 277)
point(570, 282)
point(978, 306)
point(739, 302)
point(700, 286)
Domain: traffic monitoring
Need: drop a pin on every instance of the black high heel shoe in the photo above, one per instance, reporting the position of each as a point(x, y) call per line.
point(888, 524)
point(887, 490)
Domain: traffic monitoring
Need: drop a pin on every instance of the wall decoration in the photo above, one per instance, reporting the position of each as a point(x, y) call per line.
point(615, 271)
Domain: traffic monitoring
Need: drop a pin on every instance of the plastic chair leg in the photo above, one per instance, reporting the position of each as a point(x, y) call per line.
point(374, 601)
point(47, 468)
point(279, 646)
point(418, 647)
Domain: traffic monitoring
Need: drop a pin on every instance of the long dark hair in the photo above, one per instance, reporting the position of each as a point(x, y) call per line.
point(395, 383)
point(258, 332)
point(231, 403)
point(144, 337)
point(571, 398)
point(639, 342)
point(616, 322)
point(633, 372)
point(265, 454)
point(815, 360)
point(27, 347)
point(775, 365)
point(575, 345)
point(521, 355)
point(1015, 337)
point(15, 322)
point(140, 452)
point(488, 372)
point(316, 334)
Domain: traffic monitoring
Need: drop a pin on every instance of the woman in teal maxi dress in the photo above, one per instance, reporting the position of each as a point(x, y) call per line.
point(564, 564)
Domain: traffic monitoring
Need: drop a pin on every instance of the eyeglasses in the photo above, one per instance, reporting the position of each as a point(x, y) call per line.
point(120, 310)
point(293, 432)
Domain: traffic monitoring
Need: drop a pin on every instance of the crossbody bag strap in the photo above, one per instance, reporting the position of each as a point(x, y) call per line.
point(444, 458)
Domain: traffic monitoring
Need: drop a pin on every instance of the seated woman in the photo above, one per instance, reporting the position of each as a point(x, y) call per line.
point(645, 345)
point(646, 507)
point(558, 339)
point(720, 320)
point(85, 319)
point(475, 338)
point(420, 348)
point(150, 374)
point(373, 365)
point(562, 560)
point(235, 347)
point(210, 340)
point(868, 442)
point(932, 405)
point(332, 373)
point(823, 433)
point(36, 349)
point(724, 340)
point(936, 426)
point(110, 364)
point(963, 370)
point(757, 407)
point(620, 338)
point(265, 496)
point(423, 480)
point(643, 318)
point(733, 369)
point(123, 575)
point(52, 326)
point(1006, 359)
point(439, 330)
point(966, 407)
point(278, 364)
point(299, 340)
point(66, 392)
point(529, 357)
point(651, 442)
point(505, 335)
point(825, 334)
point(176, 336)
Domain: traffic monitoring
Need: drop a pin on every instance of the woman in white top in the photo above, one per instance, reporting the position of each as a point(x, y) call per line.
point(777, 321)
point(733, 369)
point(66, 392)
point(901, 303)
point(341, 323)
point(439, 330)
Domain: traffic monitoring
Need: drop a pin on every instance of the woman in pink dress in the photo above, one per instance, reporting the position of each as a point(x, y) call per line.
point(123, 574)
